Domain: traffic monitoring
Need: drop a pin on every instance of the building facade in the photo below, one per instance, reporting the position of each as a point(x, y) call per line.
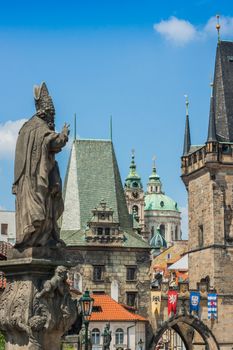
point(7, 226)
point(109, 256)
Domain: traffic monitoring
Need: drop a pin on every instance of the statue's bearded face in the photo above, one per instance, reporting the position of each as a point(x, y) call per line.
point(50, 118)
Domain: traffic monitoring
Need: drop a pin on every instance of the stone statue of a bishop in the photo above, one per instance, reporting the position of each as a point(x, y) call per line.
point(37, 184)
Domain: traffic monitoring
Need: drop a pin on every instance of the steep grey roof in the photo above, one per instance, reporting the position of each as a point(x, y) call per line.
point(93, 175)
point(223, 91)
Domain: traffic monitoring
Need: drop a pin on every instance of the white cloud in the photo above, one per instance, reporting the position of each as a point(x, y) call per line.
point(176, 30)
point(181, 32)
point(226, 26)
point(8, 136)
point(184, 222)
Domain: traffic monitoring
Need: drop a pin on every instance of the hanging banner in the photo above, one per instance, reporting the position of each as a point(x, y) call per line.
point(194, 301)
point(172, 301)
point(212, 306)
point(155, 302)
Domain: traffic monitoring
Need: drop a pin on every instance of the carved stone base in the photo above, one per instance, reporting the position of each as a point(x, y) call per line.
point(36, 308)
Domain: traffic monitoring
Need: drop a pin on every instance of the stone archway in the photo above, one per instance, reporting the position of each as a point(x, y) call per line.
point(184, 325)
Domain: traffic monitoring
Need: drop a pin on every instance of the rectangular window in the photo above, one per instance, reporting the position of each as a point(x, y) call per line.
point(131, 299)
point(200, 236)
point(98, 273)
point(100, 230)
point(107, 231)
point(131, 274)
point(4, 229)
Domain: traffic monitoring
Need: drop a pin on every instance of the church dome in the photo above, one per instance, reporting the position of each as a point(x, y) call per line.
point(159, 201)
point(158, 241)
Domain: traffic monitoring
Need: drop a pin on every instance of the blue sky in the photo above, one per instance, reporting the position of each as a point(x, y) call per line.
point(133, 60)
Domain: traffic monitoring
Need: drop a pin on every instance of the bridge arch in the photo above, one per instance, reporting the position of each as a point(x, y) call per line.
point(184, 325)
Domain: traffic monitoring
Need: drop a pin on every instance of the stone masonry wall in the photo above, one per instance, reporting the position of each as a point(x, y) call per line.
point(115, 265)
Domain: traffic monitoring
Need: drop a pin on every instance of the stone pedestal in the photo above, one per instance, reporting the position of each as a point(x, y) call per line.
point(36, 308)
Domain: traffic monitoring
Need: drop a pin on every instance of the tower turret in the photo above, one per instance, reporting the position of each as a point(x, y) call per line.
point(154, 184)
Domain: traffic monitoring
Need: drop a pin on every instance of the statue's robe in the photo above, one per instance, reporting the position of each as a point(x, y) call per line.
point(37, 184)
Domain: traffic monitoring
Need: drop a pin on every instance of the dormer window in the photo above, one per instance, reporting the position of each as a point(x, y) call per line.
point(102, 216)
point(100, 230)
point(107, 231)
point(135, 184)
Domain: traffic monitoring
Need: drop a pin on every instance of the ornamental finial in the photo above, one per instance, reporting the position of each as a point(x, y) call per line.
point(186, 104)
point(218, 26)
point(153, 159)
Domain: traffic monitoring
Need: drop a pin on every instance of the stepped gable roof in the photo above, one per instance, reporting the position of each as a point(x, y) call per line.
point(110, 310)
point(223, 91)
point(92, 175)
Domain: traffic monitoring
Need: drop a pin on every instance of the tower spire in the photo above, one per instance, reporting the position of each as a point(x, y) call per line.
point(74, 126)
point(133, 179)
point(187, 137)
point(110, 127)
point(218, 26)
point(212, 128)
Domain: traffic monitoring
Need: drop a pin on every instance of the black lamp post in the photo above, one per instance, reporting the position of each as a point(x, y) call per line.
point(86, 303)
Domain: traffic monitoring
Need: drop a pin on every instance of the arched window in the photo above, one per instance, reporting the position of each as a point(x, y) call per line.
point(176, 234)
point(119, 335)
point(77, 281)
point(135, 209)
point(95, 336)
point(152, 230)
point(162, 230)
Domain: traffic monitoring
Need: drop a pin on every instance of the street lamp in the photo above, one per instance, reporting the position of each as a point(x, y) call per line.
point(140, 344)
point(86, 303)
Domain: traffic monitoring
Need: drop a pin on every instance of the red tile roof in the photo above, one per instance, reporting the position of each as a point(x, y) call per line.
point(110, 310)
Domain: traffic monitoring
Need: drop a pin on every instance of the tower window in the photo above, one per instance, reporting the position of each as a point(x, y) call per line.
point(131, 274)
point(131, 299)
point(200, 236)
point(135, 184)
point(135, 209)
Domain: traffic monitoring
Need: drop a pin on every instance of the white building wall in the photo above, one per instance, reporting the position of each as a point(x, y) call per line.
point(133, 332)
point(8, 217)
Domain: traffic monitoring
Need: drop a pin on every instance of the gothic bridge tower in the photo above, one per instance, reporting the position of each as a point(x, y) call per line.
point(207, 172)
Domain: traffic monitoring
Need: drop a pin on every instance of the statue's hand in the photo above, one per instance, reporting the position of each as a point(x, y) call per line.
point(65, 129)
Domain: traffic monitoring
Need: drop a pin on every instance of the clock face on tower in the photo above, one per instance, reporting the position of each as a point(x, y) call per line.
point(135, 194)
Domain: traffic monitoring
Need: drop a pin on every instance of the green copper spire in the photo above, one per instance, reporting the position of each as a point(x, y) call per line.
point(133, 180)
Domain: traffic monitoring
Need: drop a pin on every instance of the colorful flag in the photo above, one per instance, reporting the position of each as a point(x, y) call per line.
point(172, 301)
point(212, 306)
point(194, 301)
point(155, 301)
